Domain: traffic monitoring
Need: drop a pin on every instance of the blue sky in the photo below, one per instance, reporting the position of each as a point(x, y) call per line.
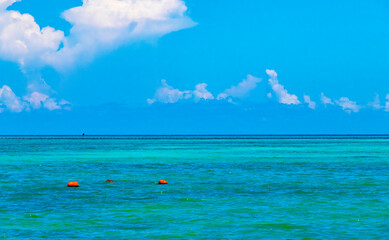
point(194, 67)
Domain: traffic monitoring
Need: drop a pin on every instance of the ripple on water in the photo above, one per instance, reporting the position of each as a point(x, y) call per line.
point(228, 188)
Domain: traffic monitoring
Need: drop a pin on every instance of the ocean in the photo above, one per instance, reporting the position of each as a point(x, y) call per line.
point(220, 187)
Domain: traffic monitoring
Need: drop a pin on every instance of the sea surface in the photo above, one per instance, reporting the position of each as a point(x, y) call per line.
point(220, 187)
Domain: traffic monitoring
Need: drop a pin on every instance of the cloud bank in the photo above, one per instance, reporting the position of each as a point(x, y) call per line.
point(9, 101)
point(168, 94)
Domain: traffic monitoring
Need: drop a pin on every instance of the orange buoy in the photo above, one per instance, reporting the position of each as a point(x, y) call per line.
point(73, 184)
point(110, 180)
point(162, 182)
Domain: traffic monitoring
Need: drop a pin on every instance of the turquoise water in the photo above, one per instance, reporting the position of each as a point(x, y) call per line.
point(219, 187)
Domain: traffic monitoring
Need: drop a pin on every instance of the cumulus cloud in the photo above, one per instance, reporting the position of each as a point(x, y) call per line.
point(376, 103)
point(242, 89)
point(387, 103)
point(221, 96)
point(10, 100)
point(282, 94)
point(150, 16)
point(168, 94)
point(6, 3)
point(23, 41)
point(51, 104)
point(348, 105)
point(201, 92)
point(65, 105)
point(13, 103)
point(36, 99)
point(101, 25)
point(97, 25)
point(325, 100)
point(311, 104)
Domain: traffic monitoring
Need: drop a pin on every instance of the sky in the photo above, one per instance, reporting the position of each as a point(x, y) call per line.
point(194, 67)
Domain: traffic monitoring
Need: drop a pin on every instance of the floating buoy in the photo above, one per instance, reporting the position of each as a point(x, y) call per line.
point(110, 180)
point(73, 184)
point(162, 182)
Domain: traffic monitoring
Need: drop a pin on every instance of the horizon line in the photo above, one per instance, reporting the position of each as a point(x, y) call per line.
point(190, 135)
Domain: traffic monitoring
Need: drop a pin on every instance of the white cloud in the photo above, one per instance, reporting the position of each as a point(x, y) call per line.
point(65, 105)
point(221, 96)
point(36, 99)
point(6, 3)
point(51, 104)
point(64, 102)
point(102, 25)
point(168, 94)
point(242, 89)
point(348, 105)
point(311, 104)
point(150, 16)
point(10, 100)
point(376, 103)
point(201, 92)
point(387, 103)
point(269, 95)
point(22, 40)
point(325, 100)
point(282, 94)
point(97, 25)
point(151, 100)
